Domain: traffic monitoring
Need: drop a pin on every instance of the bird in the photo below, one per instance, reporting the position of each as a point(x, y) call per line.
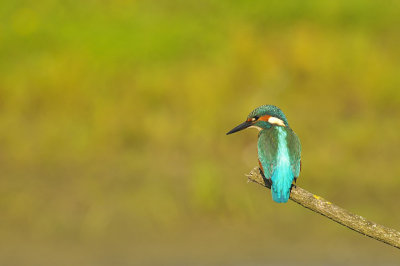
point(279, 149)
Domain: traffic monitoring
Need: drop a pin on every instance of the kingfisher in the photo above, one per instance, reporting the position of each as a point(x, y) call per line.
point(279, 149)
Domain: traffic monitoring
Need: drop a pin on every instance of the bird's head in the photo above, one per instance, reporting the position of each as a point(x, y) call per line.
point(263, 117)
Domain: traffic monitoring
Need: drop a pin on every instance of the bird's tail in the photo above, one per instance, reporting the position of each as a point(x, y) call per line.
point(281, 183)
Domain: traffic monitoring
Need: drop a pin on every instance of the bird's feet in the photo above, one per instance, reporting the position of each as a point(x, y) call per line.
point(267, 182)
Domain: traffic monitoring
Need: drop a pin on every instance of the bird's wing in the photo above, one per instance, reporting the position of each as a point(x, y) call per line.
point(294, 153)
point(267, 149)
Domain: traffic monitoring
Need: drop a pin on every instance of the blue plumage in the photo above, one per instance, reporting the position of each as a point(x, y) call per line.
point(282, 176)
point(279, 149)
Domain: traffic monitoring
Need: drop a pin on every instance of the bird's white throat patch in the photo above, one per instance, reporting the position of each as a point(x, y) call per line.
point(256, 127)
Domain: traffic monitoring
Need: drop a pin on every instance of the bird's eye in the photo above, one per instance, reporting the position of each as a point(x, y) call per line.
point(254, 118)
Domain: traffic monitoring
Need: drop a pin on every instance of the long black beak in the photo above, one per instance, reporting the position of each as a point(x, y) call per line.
point(240, 127)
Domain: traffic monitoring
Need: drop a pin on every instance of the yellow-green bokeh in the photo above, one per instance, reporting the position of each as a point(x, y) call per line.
point(113, 117)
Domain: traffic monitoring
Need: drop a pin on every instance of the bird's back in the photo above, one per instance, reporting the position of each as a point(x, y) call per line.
point(279, 153)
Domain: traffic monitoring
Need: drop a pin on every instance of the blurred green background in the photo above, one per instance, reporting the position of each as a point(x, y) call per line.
point(113, 117)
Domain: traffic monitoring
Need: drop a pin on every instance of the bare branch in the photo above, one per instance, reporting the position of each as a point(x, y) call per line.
point(322, 206)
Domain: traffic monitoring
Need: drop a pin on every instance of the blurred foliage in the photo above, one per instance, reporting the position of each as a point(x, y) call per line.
point(113, 117)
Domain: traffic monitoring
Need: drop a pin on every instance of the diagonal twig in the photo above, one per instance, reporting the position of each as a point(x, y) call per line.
point(344, 217)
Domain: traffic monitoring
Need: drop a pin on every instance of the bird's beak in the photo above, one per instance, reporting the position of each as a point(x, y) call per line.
point(242, 126)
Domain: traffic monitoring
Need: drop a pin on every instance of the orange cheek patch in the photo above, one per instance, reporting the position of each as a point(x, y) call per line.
point(264, 118)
